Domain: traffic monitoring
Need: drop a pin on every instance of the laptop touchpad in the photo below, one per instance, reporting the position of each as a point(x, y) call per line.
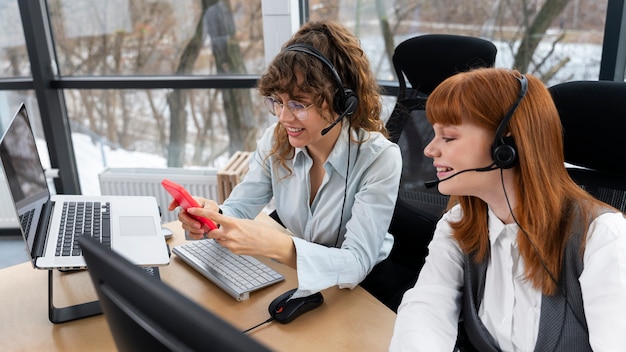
point(137, 226)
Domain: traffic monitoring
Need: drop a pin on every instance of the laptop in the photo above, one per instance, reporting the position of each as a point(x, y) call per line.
point(130, 225)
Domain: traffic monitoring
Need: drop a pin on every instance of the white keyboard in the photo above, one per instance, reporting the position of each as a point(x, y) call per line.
point(238, 275)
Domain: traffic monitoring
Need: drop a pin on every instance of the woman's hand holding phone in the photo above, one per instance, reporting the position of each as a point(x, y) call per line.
point(185, 200)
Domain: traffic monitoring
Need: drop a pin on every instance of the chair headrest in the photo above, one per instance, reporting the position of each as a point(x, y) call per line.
point(593, 115)
point(427, 60)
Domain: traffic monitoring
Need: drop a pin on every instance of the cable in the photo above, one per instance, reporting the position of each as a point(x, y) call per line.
point(345, 195)
point(543, 263)
point(345, 189)
point(257, 325)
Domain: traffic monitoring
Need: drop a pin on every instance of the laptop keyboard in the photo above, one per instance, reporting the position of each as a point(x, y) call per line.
point(236, 274)
point(91, 219)
point(26, 220)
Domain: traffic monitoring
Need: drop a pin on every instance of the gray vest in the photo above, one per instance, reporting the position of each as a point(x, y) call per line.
point(562, 323)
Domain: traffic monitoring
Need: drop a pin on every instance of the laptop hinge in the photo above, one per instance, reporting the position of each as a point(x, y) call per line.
point(42, 234)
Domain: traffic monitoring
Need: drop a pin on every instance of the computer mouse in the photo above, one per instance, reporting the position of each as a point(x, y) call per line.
point(284, 310)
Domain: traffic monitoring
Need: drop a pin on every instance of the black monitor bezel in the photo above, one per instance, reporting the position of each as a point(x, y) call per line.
point(144, 313)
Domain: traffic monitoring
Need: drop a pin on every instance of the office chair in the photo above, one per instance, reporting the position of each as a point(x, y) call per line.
point(593, 115)
point(425, 61)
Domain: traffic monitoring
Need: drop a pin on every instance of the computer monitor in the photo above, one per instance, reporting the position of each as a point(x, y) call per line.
point(145, 314)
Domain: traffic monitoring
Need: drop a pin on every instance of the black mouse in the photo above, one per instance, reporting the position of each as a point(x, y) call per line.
point(284, 310)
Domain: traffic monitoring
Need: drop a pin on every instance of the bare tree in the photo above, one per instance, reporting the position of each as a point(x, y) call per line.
point(136, 49)
point(535, 32)
point(385, 29)
point(483, 18)
point(228, 59)
point(177, 99)
point(219, 24)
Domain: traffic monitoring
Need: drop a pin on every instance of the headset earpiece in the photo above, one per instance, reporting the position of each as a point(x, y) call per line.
point(503, 149)
point(345, 101)
point(504, 153)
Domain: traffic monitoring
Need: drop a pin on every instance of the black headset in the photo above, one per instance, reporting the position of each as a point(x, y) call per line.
point(345, 100)
point(503, 149)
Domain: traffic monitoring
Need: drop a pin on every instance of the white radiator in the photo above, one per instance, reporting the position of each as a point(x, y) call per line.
point(147, 182)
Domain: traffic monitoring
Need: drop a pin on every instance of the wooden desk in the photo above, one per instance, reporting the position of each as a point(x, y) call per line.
point(348, 320)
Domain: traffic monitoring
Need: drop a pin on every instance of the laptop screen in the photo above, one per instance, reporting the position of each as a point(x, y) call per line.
point(24, 174)
point(21, 162)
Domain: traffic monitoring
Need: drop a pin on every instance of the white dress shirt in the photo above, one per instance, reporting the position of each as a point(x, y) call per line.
point(428, 315)
point(372, 188)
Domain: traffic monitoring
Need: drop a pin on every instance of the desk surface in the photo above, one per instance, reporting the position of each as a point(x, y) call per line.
point(348, 320)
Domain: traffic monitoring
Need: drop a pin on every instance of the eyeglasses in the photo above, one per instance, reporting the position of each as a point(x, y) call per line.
point(298, 109)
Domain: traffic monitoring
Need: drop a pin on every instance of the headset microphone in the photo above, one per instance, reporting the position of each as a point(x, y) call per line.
point(433, 183)
point(349, 108)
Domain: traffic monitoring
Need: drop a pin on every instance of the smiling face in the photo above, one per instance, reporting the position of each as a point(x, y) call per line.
point(461, 147)
point(299, 77)
point(307, 130)
point(304, 127)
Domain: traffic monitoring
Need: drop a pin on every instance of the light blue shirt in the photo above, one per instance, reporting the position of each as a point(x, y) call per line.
point(370, 196)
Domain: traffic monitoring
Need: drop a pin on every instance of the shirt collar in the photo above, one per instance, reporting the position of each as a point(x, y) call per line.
point(498, 229)
point(338, 157)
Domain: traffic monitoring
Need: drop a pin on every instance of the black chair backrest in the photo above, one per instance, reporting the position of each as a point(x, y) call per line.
point(426, 61)
point(593, 115)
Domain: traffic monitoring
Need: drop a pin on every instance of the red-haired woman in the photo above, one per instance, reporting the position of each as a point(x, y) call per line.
point(525, 257)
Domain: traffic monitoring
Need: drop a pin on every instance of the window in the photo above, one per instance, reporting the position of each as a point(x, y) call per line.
point(558, 45)
point(173, 81)
point(163, 127)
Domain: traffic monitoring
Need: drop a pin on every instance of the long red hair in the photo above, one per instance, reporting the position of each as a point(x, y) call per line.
point(548, 199)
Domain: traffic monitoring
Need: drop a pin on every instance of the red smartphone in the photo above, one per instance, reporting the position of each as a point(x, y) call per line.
point(185, 200)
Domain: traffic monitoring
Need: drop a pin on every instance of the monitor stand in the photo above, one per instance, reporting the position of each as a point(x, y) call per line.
point(69, 313)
